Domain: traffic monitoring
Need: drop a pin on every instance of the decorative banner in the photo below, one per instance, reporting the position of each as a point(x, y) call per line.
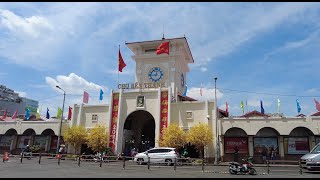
point(114, 119)
point(54, 141)
point(298, 145)
point(163, 111)
point(231, 142)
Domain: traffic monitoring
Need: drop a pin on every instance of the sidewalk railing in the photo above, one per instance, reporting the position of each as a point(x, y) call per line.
point(128, 161)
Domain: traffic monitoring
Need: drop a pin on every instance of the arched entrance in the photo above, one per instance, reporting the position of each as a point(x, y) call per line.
point(138, 132)
point(266, 145)
point(235, 138)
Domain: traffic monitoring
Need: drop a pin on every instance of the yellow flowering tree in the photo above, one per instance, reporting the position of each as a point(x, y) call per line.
point(98, 138)
point(200, 135)
point(173, 136)
point(76, 135)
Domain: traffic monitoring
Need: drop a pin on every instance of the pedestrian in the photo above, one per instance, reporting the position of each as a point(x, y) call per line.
point(273, 154)
point(236, 153)
point(264, 154)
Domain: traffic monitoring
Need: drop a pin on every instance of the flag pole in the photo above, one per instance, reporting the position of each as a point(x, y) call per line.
point(118, 65)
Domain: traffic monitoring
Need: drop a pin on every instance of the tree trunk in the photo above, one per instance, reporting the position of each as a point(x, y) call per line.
point(75, 148)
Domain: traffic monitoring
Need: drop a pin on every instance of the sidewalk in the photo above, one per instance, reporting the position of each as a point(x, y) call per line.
point(261, 165)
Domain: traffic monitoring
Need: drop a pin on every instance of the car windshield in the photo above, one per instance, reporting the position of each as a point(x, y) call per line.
point(316, 149)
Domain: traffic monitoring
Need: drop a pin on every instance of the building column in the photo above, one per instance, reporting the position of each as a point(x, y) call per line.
point(47, 147)
point(13, 142)
point(78, 123)
point(281, 147)
point(312, 142)
point(250, 139)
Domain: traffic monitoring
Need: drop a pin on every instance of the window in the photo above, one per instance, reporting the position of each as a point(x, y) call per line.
point(94, 117)
point(189, 115)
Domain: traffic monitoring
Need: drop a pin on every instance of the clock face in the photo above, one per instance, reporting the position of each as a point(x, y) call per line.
point(182, 80)
point(155, 74)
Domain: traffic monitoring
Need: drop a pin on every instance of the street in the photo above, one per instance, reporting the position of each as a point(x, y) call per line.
point(70, 169)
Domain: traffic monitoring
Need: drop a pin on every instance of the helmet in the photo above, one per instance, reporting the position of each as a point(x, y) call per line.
point(27, 145)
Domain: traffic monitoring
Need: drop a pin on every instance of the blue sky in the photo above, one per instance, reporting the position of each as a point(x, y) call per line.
point(255, 49)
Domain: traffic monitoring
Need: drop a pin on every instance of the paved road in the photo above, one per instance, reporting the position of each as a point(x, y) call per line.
point(70, 169)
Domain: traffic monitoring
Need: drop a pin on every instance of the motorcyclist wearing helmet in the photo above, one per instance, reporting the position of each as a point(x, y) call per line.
point(27, 149)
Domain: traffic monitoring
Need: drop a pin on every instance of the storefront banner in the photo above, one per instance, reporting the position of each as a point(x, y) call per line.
point(54, 141)
point(240, 142)
point(163, 111)
point(298, 145)
point(114, 120)
point(264, 144)
point(5, 141)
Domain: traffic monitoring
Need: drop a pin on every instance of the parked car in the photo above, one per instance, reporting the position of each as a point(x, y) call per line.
point(311, 161)
point(165, 155)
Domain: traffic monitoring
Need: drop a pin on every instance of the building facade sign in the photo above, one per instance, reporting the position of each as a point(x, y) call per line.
point(114, 120)
point(230, 143)
point(163, 111)
point(138, 85)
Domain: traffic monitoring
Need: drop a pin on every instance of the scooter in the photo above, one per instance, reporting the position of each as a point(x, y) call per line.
point(27, 155)
point(242, 168)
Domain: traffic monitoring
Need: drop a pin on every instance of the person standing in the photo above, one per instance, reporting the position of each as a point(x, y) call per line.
point(236, 154)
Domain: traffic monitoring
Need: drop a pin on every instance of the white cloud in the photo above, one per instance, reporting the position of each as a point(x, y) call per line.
point(21, 93)
point(32, 26)
point(207, 94)
point(204, 69)
point(72, 84)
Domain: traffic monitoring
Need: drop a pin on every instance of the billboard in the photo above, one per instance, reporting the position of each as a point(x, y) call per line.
point(264, 144)
point(298, 145)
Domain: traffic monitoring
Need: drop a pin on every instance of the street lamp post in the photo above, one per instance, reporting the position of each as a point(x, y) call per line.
point(216, 158)
point(59, 137)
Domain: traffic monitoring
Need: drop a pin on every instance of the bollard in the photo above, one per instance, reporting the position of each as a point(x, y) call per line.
point(268, 168)
point(124, 163)
point(148, 163)
point(300, 166)
point(175, 164)
point(79, 161)
point(21, 157)
point(202, 165)
point(39, 158)
point(101, 159)
point(59, 159)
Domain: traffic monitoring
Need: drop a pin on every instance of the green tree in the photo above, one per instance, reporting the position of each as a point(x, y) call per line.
point(97, 138)
point(173, 136)
point(200, 135)
point(76, 135)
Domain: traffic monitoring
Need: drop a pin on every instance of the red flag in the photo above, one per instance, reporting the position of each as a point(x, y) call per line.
point(70, 113)
point(122, 64)
point(317, 104)
point(201, 90)
point(85, 97)
point(163, 48)
point(15, 114)
point(4, 115)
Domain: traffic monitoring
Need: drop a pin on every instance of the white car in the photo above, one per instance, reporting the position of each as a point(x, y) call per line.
point(165, 155)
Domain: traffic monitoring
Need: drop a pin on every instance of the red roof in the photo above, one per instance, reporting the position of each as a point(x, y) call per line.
point(316, 114)
point(186, 98)
point(254, 114)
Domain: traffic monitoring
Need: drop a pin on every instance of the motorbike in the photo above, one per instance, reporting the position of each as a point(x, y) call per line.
point(242, 168)
point(27, 155)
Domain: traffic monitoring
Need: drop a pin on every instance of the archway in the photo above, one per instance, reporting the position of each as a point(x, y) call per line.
point(235, 138)
point(297, 143)
point(266, 145)
point(7, 139)
point(138, 132)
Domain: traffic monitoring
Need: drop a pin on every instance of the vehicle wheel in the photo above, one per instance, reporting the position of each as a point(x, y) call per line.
point(140, 161)
point(232, 171)
point(168, 162)
point(252, 171)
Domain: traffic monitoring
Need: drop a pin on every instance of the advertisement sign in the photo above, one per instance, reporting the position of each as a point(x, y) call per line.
point(5, 142)
point(264, 145)
point(298, 145)
point(114, 120)
point(240, 142)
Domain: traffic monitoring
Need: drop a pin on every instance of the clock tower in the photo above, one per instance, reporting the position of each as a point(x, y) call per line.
point(171, 70)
